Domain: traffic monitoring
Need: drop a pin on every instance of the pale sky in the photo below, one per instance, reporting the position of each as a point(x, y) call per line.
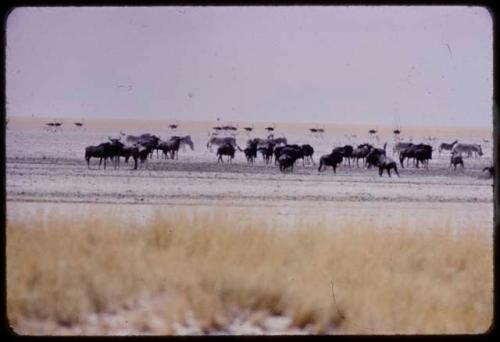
point(373, 65)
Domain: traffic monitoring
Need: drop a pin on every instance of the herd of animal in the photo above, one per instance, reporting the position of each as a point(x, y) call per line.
point(140, 147)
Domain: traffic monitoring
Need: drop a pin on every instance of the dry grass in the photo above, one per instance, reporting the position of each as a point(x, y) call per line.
point(409, 280)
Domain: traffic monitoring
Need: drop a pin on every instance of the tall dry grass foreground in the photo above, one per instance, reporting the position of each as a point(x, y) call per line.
point(329, 277)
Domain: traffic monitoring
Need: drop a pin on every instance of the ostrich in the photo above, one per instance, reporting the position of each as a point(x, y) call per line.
point(173, 126)
point(79, 124)
point(397, 132)
point(270, 129)
point(248, 129)
point(58, 125)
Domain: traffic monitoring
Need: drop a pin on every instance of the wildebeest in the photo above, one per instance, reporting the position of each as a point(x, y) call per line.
point(250, 151)
point(470, 149)
point(227, 150)
point(104, 151)
point(455, 159)
point(332, 159)
point(490, 169)
point(400, 146)
point(148, 140)
point(446, 146)
point(267, 152)
point(294, 151)
point(361, 152)
point(308, 151)
point(170, 147)
point(286, 161)
point(419, 153)
point(277, 153)
point(383, 162)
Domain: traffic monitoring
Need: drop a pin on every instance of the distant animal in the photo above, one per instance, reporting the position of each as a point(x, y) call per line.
point(251, 151)
point(490, 169)
point(58, 125)
point(227, 150)
point(79, 124)
point(455, 160)
point(286, 161)
point(333, 159)
point(220, 141)
point(346, 151)
point(104, 151)
point(128, 151)
point(248, 129)
point(400, 146)
point(267, 151)
point(294, 151)
point(186, 140)
point(170, 147)
point(277, 141)
point(270, 128)
point(470, 149)
point(361, 152)
point(421, 153)
point(277, 153)
point(148, 140)
point(383, 162)
point(446, 147)
point(373, 157)
point(308, 152)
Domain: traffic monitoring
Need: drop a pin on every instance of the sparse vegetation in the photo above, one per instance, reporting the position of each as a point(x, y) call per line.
point(407, 280)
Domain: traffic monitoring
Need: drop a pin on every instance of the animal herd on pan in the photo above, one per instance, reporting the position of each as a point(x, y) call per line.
point(277, 151)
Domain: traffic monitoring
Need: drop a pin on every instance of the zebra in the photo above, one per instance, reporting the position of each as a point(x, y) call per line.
point(470, 149)
point(447, 147)
point(221, 141)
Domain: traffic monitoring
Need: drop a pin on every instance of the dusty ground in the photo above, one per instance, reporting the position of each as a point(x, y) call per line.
point(46, 170)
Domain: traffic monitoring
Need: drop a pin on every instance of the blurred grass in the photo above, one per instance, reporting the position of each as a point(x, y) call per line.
point(407, 280)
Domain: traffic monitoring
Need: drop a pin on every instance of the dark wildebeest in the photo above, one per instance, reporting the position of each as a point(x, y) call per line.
point(227, 150)
point(420, 152)
point(250, 151)
point(286, 161)
point(130, 151)
point(104, 151)
point(171, 146)
point(294, 151)
point(490, 169)
point(400, 146)
point(423, 154)
point(332, 159)
point(347, 154)
point(383, 162)
point(147, 140)
point(456, 158)
point(277, 153)
point(308, 151)
point(361, 152)
point(446, 147)
point(267, 152)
